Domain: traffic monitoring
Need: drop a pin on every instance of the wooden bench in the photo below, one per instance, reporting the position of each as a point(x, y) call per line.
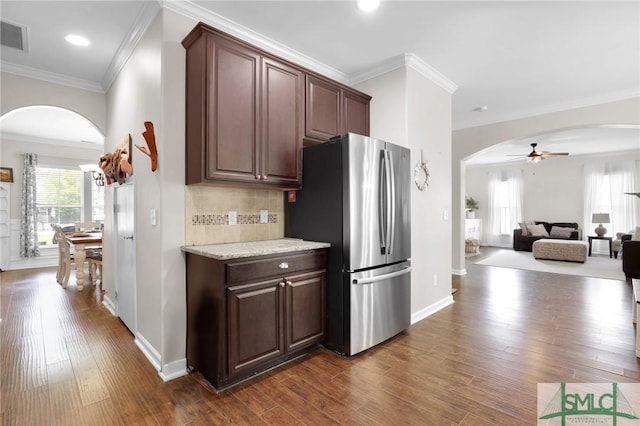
point(636, 312)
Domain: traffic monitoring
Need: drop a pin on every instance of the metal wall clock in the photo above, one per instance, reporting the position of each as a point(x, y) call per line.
point(421, 174)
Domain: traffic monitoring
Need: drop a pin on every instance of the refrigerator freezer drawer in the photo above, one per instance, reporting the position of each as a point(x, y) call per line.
point(380, 306)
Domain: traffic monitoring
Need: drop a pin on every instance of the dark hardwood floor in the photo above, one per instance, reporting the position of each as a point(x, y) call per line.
point(66, 361)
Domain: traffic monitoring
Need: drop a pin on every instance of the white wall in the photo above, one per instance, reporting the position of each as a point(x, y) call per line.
point(469, 141)
point(151, 88)
point(410, 110)
point(553, 188)
point(18, 92)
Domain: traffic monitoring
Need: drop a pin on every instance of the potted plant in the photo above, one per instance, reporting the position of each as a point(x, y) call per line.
point(471, 206)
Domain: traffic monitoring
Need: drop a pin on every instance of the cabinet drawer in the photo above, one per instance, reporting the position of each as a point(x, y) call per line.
point(252, 269)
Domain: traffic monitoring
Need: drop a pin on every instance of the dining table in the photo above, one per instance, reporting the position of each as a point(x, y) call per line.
point(81, 241)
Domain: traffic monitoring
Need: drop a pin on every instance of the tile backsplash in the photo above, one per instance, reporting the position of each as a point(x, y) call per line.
point(207, 214)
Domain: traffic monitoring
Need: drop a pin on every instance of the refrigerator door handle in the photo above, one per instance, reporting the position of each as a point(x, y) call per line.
point(382, 219)
point(391, 202)
point(383, 277)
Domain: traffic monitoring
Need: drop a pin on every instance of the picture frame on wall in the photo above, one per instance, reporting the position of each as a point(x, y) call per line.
point(6, 174)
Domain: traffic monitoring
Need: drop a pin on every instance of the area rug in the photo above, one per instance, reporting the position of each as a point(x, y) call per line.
point(595, 266)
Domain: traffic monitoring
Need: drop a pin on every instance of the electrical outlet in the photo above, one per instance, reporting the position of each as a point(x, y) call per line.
point(264, 216)
point(233, 217)
point(435, 279)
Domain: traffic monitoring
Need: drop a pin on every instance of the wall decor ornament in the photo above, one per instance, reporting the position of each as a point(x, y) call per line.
point(116, 165)
point(152, 151)
point(6, 174)
point(421, 174)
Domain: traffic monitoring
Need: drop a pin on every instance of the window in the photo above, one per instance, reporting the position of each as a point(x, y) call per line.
point(60, 199)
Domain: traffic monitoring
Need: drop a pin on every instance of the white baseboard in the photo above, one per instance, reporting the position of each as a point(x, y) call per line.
point(149, 351)
point(173, 370)
point(108, 303)
point(431, 309)
point(462, 271)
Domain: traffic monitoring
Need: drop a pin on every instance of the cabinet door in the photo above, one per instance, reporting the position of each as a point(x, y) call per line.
point(305, 308)
point(356, 113)
point(323, 109)
point(232, 134)
point(282, 115)
point(255, 324)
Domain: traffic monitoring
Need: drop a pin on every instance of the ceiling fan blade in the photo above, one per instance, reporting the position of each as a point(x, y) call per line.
point(554, 154)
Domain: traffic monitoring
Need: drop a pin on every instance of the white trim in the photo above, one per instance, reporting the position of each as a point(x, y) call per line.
point(199, 13)
point(431, 309)
point(409, 60)
point(174, 370)
point(462, 271)
point(149, 351)
point(51, 77)
point(108, 303)
point(142, 23)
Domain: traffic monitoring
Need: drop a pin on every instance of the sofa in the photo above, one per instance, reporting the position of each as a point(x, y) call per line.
point(631, 258)
point(563, 230)
point(630, 251)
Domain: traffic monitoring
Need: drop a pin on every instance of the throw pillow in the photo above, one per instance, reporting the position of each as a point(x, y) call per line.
point(524, 226)
point(537, 230)
point(559, 232)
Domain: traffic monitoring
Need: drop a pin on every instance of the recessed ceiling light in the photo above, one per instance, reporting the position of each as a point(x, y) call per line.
point(368, 5)
point(76, 40)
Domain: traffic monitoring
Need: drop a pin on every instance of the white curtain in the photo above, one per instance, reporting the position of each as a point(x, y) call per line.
point(605, 186)
point(29, 212)
point(493, 225)
point(505, 206)
point(516, 194)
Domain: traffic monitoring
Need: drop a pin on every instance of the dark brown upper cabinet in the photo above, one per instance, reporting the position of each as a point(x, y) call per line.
point(244, 114)
point(332, 109)
point(248, 111)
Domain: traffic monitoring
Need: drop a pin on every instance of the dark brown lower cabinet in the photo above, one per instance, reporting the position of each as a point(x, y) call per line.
point(248, 315)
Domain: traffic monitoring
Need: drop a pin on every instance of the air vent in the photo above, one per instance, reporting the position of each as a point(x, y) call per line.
point(12, 35)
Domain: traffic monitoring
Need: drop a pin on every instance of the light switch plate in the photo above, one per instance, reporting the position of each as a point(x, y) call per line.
point(264, 216)
point(233, 217)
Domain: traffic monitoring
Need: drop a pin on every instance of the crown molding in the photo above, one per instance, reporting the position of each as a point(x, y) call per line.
point(142, 23)
point(406, 60)
point(51, 77)
point(196, 12)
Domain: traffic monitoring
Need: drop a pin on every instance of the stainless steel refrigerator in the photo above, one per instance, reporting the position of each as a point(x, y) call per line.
point(355, 195)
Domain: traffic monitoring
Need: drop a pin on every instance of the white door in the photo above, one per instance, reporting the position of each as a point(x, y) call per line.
point(125, 255)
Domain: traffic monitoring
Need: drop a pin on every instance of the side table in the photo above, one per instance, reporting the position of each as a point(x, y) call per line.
point(595, 237)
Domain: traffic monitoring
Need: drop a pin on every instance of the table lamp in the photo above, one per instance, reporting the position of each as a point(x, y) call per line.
point(600, 218)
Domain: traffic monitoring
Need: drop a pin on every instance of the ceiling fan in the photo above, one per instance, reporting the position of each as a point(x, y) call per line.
point(536, 156)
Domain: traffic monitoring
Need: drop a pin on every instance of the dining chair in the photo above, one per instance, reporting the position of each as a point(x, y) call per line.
point(65, 257)
point(95, 265)
point(87, 226)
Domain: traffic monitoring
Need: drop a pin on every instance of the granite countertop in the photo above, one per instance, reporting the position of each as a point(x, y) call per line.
point(253, 248)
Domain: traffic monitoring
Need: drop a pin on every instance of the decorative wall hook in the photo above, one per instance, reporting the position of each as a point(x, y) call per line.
point(152, 152)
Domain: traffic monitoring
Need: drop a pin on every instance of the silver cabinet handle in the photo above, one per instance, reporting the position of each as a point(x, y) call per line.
point(129, 238)
point(283, 265)
point(289, 283)
point(281, 283)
